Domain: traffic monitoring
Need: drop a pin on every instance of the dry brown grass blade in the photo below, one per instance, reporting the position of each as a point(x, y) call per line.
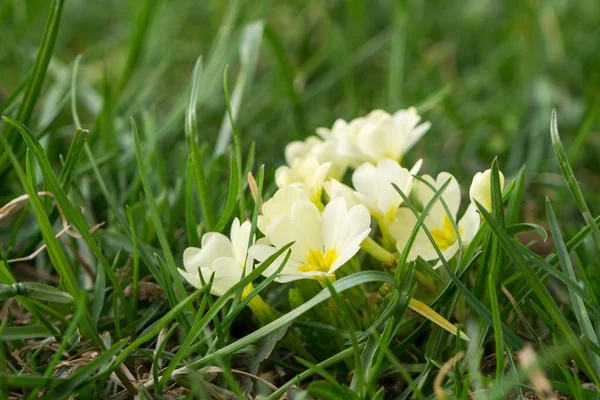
point(42, 247)
point(11, 205)
point(528, 361)
point(440, 393)
point(254, 190)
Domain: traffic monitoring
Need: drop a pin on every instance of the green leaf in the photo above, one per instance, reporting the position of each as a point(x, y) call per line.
point(526, 227)
point(29, 381)
point(8, 280)
point(38, 291)
point(24, 332)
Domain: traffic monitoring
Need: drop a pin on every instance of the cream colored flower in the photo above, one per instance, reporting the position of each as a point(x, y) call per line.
point(334, 188)
point(306, 171)
point(323, 241)
point(220, 255)
point(438, 221)
point(390, 136)
point(374, 188)
point(323, 151)
point(280, 204)
point(481, 188)
point(377, 136)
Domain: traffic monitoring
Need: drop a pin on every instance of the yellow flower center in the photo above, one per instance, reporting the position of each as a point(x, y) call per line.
point(446, 236)
point(317, 261)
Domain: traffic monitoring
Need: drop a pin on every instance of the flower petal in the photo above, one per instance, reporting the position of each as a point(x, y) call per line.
point(214, 245)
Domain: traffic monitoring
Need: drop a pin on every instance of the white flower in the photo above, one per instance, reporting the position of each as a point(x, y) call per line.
point(219, 255)
point(344, 134)
point(280, 204)
point(374, 188)
point(323, 151)
point(306, 171)
point(481, 188)
point(323, 241)
point(377, 136)
point(390, 136)
point(438, 221)
point(335, 188)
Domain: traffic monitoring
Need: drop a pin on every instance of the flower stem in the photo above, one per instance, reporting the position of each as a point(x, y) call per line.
point(267, 314)
point(378, 252)
point(263, 312)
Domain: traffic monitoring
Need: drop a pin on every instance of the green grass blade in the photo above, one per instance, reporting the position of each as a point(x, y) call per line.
point(73, 214)
point(237, 141)
point(191, 223)
point(158, 226)
point(10, 333)
point(513, 209)
point(140, 35)
point(155, 329)
point(55, 251)
point(565, 167)
point(191, 138)
point(340, 285)
point(585, 323)
point(232, 196)
point(38, 73)
point(200, 324)
point(510, 337)
point(541, 292)
point(10, 100)
point(249, 52)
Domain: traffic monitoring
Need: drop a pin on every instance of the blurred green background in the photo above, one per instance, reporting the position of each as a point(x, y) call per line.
point(486, 74)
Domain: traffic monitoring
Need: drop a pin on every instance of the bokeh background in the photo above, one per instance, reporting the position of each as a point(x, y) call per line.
point(486, 74)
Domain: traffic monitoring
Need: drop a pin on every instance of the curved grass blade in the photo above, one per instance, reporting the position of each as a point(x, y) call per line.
point(137, 42)
point(153, 210)
point(38, 73)
point(232, 196)
point(73, 214)
point(541, 292)
point(191, 137)
point(249, 52)
point(583, 318)
point(340, 285)
point(510, 337)
point(10, 100)
point(567, 171)
point(200, 324)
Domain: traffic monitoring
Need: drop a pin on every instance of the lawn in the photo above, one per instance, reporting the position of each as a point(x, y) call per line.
point(299, 199)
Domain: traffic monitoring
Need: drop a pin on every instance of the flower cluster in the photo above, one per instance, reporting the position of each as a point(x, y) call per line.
point(328, 221)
